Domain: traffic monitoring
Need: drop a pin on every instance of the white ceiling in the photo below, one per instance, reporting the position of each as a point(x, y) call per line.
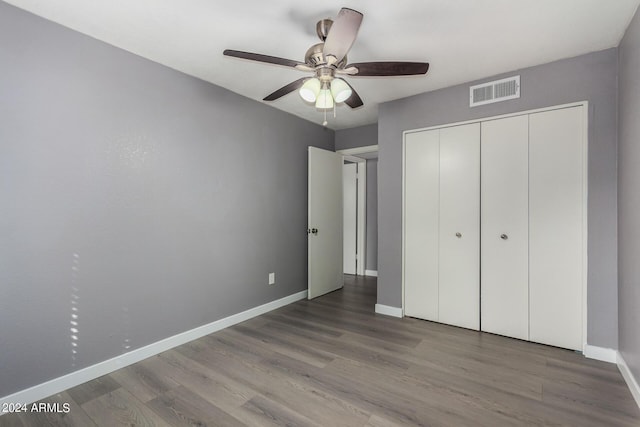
point(463, 40)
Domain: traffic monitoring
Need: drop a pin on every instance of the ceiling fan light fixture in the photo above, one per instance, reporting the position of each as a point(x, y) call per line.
point(310, 89)
point(328, 59)
point(325, 99)
point(340, 90)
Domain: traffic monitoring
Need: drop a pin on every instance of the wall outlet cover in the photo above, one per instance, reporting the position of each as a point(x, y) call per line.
point(272, 278)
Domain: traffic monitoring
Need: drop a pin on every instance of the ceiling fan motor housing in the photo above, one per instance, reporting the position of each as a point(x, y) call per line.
point(315, 57)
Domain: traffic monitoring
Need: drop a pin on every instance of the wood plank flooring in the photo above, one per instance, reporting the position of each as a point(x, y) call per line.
point(334, 362)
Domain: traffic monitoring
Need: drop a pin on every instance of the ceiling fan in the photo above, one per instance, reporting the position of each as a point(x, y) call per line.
point(328, 60)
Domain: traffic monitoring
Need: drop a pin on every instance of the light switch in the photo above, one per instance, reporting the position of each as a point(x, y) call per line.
point(272, 278)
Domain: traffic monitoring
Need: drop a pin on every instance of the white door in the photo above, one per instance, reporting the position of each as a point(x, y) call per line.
point(421, 219)
point(556, 206)
point(324, 222)
point(504, 193)
point(350, 214)
point(459, 263)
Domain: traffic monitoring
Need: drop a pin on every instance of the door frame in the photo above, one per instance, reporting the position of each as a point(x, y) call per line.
point(351, 155)
point(361, 220)
point(585, 176)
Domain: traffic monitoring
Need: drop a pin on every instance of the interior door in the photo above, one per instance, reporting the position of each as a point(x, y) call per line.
point(505, 227)
point(459, 234)
point(324, 222)
point(349, 222)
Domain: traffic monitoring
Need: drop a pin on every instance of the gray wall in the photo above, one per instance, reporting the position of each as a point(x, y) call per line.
point(151, 201)
point(372, 215)
point(591, 77)
point(361, 136)
point(629, 197)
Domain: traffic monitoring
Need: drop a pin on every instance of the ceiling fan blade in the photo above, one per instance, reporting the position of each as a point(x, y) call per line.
point(390, 68)
point(342, 34)
point(263, 58)
point(285, 89)
point(354, 101)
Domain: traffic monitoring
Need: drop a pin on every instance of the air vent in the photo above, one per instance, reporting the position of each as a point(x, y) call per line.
point(496, 91)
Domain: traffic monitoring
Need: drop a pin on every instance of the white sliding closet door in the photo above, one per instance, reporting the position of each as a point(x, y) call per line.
point(459, 264)
point(504, 227)
point(556, 227)
point(422, 168)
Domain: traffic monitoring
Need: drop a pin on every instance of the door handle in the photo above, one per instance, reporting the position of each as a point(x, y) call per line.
point(459, 235)
point(312, 230)
point(504, 236)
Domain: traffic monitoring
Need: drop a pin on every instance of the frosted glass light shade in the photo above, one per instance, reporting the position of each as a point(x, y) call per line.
point(340, 90)
point(309, 90)
point(325, 99)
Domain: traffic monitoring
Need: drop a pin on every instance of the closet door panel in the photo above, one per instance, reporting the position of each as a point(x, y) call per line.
point(422, 156)
point(504, 227)
point(459, 226)
point(556, 221)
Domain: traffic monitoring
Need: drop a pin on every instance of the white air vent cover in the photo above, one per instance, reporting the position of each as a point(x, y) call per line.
point(496, 91)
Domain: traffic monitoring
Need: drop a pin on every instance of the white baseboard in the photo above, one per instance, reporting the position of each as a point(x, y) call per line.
point(600, 353)
point(81, 376)
point(372, 273)
point(631, 381)
point(387, 310)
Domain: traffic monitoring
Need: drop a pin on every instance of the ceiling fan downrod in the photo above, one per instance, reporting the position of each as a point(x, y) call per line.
point(322, 28)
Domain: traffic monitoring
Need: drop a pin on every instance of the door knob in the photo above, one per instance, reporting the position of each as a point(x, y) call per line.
point(504, 236)
point(459, 235)
point(314, 231)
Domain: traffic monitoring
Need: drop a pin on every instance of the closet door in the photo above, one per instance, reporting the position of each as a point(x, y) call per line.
point(459, 264)
point(422, 168)
point(504, 227)
point(556, 227)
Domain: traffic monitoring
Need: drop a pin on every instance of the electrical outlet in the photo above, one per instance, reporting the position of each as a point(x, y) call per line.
point(272, 278)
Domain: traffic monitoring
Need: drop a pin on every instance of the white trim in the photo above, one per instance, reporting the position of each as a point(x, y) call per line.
point(501, 116)
point(585, 222)
point(353, 159)
point(632, 383)
point(404, 221)
point(387, 310)
point(361, 211)
point(358, 150)
point(81, 376)
point(361, 244)
point(600, 353)
point(350, 217)
point(372, 273)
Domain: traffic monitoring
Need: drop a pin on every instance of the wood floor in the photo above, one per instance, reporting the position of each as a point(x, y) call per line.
point(334, 362)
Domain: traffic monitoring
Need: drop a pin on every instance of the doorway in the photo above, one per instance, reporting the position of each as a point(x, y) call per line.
point(360, 206)
point(354, 214)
